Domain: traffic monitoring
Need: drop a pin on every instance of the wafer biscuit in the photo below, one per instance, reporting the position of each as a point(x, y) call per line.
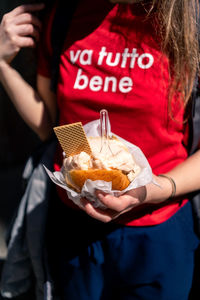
point(72, 139)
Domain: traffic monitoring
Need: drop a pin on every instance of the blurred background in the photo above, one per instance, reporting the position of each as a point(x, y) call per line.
point(17, 141)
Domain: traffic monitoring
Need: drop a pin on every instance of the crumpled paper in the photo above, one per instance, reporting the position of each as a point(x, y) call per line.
point(89, 188)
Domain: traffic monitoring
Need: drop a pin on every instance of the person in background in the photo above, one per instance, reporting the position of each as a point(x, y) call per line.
point(138, 60)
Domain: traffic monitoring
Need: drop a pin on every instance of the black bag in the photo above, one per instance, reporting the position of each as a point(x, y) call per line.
point(194, 142)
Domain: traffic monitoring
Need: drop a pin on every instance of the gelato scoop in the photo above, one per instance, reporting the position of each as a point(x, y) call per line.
point(113, 163)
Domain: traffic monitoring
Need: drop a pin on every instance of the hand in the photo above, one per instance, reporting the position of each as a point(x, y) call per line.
point(19, 28)
point(117, 206)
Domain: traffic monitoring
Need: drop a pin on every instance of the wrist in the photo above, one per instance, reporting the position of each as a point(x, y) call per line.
point(173, 184)
point(3, 63)
point(4, 66)
point(161, 191)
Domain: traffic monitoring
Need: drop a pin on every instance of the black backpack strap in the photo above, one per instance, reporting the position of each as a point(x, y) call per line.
point(195, 118)
point(194, 138)
point(194, 145)
point(195, 112)
point(63, 15)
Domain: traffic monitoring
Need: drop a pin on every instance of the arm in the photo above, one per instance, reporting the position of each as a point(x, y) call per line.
point(187, 175)
point(187, 178)
point(20, 28)
point(37, 110)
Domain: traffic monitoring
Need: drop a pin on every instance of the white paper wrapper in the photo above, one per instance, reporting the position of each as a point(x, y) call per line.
point(88, 191)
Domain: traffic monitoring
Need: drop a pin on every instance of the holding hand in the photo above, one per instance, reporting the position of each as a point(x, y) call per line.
point(19, 28)
point(117, 206)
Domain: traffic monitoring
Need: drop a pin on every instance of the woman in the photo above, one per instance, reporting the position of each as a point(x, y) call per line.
point(139, 60)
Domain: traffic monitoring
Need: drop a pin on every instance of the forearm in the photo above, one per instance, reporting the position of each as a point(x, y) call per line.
point(187, 175)
point(26, 100)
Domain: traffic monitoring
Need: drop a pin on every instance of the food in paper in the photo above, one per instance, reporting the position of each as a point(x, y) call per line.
point(139, 174)
point(111, 162)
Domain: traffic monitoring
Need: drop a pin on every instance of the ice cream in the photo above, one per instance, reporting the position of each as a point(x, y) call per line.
point(111, 161)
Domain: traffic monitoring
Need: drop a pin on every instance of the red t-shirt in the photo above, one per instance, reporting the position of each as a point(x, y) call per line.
point(112, 59)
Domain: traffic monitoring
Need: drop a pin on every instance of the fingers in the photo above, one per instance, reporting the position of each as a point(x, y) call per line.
point(99, 214)
point(27, 8)
point(28, 18)
point(20, 28)
point(27, 30)
point(25, 42)
point(105, 216)
point(118, 204)
point(115, 206)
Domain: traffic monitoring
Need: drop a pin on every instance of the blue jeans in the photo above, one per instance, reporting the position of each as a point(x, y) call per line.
point(99, 261)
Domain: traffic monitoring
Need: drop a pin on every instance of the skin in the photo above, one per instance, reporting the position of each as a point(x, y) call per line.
point(20, 28)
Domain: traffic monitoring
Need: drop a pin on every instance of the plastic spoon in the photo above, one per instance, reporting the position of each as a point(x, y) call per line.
point(105, 129)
